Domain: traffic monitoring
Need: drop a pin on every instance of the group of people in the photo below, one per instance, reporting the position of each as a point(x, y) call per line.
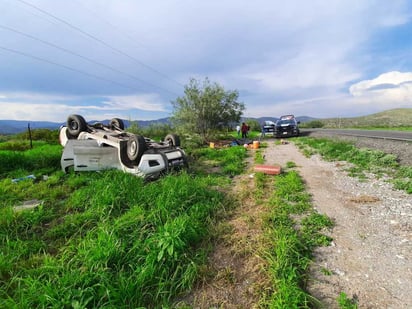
point(244, 129)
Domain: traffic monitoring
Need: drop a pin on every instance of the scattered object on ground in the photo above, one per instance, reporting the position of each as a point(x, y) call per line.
point(283, 142)
point(23, 178)
point(222, 143)
point(27, 205)
point(243, 141)
point(268, 169)
point(94, 147)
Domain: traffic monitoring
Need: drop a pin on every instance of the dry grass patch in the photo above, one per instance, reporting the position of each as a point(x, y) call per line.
point(235, 276)
point(364, 199)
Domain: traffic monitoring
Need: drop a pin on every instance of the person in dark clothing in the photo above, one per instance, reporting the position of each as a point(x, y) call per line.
point(244, 130)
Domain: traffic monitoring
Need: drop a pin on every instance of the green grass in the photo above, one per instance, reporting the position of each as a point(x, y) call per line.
point(42, 159)
point(103, 239)
point(346, 303)
point(293, 241)
point(117, 239)
point(230, 160)
point(251, 135)
point(259, 159)
point(403, 128)
point(403, 179)
point(290, 164)
point(110, 240)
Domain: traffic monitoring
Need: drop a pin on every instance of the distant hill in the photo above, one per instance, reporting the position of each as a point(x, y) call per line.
point(17, 126)
point(400, 117)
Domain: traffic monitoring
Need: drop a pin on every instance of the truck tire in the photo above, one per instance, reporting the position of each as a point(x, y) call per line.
point(173, 140)
point(136, 146)
point(116, 123)
point(75, 125)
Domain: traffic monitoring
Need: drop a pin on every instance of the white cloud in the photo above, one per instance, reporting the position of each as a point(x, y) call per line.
point(149, 102)
point(384, 83)
point(294, 56)
point(388, 90)
point(36, 111)
point(41, 107)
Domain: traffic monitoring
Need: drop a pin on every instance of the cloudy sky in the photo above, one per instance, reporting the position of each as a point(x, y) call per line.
point(131, 58)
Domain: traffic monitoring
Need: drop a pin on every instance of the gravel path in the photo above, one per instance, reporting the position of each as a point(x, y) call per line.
point(370, 258)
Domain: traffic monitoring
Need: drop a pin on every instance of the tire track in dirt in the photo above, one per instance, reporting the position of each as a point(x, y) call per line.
point(235, 276)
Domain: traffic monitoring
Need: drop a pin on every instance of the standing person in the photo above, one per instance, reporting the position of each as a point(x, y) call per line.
point(238, 130)
point(244, 130)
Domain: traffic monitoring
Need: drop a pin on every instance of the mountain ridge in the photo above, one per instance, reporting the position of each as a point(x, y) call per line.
point(398, 116)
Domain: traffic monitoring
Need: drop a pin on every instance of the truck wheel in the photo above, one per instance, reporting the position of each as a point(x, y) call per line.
point(136, 146)
point(75, 125)
point(116, 123)
point(173, 140)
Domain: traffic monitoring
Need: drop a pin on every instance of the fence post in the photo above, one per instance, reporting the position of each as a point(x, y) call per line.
point(31, 142)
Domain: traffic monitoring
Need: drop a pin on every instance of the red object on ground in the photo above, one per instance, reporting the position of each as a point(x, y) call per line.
point(268, 169)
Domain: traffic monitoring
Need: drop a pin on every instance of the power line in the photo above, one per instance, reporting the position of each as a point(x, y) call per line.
point(67, 67)
point(84, 58)
point(133, 40)
point(98, 40)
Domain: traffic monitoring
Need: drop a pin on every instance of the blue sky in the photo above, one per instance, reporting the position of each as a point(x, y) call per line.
point(130, 59)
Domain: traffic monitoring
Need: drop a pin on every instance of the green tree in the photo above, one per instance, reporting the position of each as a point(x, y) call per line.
point(254, 124)
point(206, 108)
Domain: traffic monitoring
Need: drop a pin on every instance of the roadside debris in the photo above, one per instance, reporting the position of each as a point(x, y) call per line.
point(268, 169)
point(15, 180)
point(247, 143)
point(27, 205)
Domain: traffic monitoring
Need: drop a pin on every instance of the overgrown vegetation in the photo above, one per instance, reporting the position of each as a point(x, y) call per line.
point(43, 158)
point(313, 124)
point(104, 239)
point(294, 230)
point(46, 135)
point(156, 131)
point(226, 161)
point(110, 240)
point(362, 160)
point(206, 108)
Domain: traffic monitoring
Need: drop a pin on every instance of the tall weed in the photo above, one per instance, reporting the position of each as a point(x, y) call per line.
point(114, 242)
point(293, 239)
point(41, 159)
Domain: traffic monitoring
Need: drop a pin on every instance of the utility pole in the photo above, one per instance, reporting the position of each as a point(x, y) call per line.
point(31, 142)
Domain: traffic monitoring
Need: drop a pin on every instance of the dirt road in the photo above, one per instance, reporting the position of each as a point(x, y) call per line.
point(370, 258)
point(371, 255)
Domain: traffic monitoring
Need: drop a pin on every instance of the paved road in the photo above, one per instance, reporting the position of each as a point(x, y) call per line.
point(381, 134)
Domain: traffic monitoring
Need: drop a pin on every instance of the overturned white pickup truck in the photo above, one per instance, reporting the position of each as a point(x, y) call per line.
point(95, 147)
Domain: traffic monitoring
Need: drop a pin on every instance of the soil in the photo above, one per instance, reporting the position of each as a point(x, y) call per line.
point(370, 258)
